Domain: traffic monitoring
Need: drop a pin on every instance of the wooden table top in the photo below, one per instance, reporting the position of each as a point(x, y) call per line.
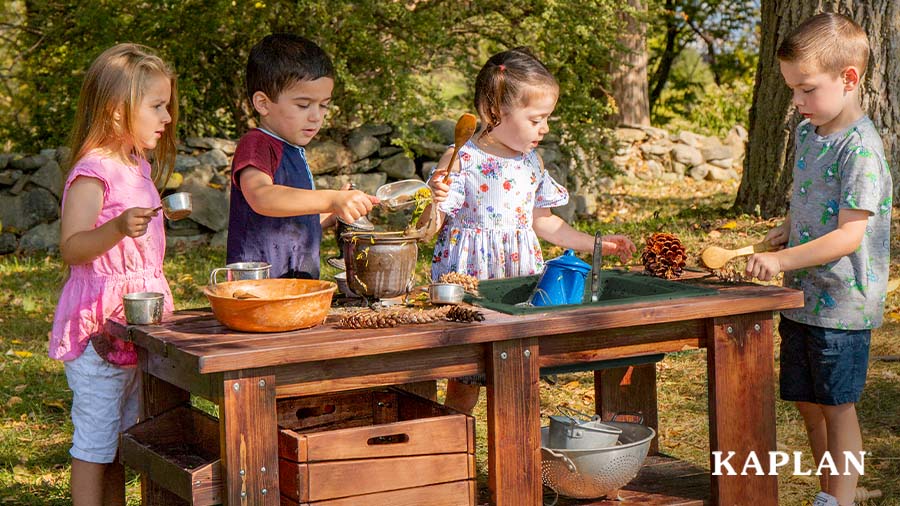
point(215, 348)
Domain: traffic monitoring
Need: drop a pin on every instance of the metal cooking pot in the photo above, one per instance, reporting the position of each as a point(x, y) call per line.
point(567, 432)
point(380, 264)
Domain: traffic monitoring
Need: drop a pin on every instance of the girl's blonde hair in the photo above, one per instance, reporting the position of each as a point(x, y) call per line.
point(116, 82)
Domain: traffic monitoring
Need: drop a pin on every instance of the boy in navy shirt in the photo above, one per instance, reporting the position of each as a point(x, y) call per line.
point(276, 213)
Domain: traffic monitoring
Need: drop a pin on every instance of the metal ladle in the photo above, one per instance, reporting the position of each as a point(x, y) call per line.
point(392, 197)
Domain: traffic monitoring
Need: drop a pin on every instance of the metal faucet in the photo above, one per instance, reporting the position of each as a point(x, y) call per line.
point(596, 263)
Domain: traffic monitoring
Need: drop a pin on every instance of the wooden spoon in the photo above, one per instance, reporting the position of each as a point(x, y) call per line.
point(465, 127)
point(715, 257)
point(244, 294)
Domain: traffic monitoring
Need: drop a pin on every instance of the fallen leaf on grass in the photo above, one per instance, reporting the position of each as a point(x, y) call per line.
point(23, 353)
point(19, 388)
point(13, 401)
point(731, 225)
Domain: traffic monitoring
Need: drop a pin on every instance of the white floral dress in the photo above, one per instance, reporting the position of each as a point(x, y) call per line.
point(488, 231)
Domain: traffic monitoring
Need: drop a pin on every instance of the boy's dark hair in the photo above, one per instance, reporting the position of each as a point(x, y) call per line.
point(828, 42)
point(282, 59)
point(504, 81)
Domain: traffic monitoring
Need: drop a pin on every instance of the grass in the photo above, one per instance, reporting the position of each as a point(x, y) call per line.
point(35, 429)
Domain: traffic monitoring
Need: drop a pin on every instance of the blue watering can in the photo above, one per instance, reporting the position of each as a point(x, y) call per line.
point(562, 281)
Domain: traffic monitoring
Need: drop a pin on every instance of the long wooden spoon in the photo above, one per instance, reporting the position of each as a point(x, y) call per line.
point(465, 128)
point(715, 257)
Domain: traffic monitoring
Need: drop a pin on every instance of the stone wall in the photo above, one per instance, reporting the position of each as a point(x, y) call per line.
point(31, 185)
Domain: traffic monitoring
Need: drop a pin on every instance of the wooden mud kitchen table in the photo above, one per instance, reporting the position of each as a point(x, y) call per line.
point(245, 373)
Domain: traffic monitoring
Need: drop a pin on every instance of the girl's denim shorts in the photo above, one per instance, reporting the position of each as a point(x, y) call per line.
point(821, 365)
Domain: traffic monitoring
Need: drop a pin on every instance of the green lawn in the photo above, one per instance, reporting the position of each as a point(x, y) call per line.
point(34, 398)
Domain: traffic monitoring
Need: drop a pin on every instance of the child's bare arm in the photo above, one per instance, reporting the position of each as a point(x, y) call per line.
point(80, 242)
point(831, 246)
point(552, 228)
point(432, 219)
point(270, 199)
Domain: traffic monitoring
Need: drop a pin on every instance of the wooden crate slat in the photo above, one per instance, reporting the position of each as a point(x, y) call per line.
point(458, 493)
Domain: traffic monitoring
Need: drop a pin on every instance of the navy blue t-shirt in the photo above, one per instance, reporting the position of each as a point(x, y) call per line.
point(290, 244)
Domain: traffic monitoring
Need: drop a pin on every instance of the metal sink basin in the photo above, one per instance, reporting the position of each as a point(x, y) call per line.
point(618, 287)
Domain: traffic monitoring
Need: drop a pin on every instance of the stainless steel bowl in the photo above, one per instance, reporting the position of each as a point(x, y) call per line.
point(445, 293)
point(341, 280)
point(143, 308)
point(178, 206)
point(240, 271)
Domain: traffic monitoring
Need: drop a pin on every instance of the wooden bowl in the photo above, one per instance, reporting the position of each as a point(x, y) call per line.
point(271, 305)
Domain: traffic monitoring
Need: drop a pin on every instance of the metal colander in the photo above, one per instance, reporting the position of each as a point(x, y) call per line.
point(592, 473)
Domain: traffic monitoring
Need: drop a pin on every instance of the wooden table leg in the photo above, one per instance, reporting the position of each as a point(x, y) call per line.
point(741, 378)
point(158, 396)
point(249, 440)
point(514, 438)
point(629, 389)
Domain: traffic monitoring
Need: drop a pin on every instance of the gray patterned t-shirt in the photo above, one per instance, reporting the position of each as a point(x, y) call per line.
point(844, 170)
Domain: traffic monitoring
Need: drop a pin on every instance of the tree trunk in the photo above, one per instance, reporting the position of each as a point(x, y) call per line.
point(629, 76)
point(767, 178)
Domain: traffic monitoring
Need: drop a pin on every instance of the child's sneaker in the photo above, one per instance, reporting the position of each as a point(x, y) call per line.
point(823, 499)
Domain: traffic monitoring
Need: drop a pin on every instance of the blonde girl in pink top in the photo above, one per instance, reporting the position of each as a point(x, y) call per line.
point(113, 241)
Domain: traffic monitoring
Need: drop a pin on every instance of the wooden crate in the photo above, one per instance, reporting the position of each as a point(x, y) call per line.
point(375, 447)
point(178, 450)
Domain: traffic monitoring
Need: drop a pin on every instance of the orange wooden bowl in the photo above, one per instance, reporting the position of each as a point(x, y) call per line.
point(271, 305)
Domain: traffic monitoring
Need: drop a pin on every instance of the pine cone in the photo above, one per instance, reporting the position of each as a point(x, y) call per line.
point(464, 314)
point(469, 283)
point(664, 256)
point(371, 319)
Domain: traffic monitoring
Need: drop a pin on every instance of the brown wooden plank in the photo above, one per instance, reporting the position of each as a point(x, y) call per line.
point(740, 361)
point(628, 389)
point(458, 493)
point(320, 481)
point(216, 352)
point(180, 371)
point(514, 423)
point(380, 370)
point(333, 411)
point(249, 440)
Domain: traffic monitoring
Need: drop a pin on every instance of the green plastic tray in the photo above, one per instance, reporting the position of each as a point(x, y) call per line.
point(619, 287)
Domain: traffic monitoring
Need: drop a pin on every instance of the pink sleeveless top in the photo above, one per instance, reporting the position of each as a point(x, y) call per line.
point(93, 293)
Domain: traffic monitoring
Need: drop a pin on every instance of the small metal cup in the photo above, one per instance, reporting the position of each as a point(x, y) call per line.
point(178, 206)
point(241, 270)
point(445, 293)
point(143, 308)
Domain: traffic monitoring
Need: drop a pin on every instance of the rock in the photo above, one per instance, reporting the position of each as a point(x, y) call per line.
point(219, 240)
point(688, 138)
point(28, 163)
point(657, 148)
point(227, 146)
point(739, 131)
point(374, 130)
point(49, 153)
point(22, 212)
point(699, 172)
point(724, 163)
point(216, 158)
point(210, 205)
point(559, 173)
point(630, 135)
point(399, 166)
point(184, 162)
point(200, 176)
point(9, 177)
point(585, 203)
point(44, 237)
point(669, 177)
point(8, 243)
point(679, 168)
point(327, 156)
point(182, 228)
point(387, 151)
point(654, 133)
point(718, 174)
point(430, 149)
point(20, 184)
point(549, 155)
point(715, 152)
point(63, 153)
point(365, 165)
point(688, 155)
point(427, 168)
point(4, 160)
point(549, 137)
point(367, 183)
point(733, 174)
point(362, 146)
point(219, 181)
point(445, 130)
point(566, 212)
point(50, 177)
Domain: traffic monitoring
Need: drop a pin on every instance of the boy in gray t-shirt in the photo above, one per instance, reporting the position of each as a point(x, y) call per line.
point(838, 243)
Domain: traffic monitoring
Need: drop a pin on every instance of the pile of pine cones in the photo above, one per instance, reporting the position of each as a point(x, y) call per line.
point(664, 256)
point(469, 283)
point(372, 319)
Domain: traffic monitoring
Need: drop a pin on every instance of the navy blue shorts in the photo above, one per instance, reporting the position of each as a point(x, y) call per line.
point(822, 366)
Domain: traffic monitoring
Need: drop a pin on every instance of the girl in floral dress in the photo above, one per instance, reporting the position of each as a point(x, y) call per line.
point(498, 202)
